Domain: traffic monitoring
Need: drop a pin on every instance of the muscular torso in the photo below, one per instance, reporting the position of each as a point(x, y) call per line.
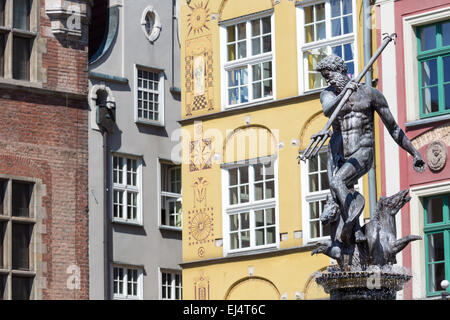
point(355, 122)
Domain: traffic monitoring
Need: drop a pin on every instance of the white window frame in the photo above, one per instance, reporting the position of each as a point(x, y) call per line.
point(251, 206)
point(161, 108)
point(140, 282)
point(327, 42)
point(127, 188)
point(246, 62)
point(308, 197)
point(172, 286)
point(167, 194)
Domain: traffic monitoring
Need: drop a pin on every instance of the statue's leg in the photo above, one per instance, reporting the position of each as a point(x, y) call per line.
point(352, 203)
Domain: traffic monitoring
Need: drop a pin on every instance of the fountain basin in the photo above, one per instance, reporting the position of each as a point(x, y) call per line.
point(362, 285)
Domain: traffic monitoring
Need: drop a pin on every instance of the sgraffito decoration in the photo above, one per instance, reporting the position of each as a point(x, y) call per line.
point(201, 153)
point(199, 75)
point(201, 287)
point(199, 187)
point(198, 18)
point(200, 226)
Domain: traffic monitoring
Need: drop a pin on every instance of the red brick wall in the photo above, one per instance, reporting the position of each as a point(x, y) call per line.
point(46, 137)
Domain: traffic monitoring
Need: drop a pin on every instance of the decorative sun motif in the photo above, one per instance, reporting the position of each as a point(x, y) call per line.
point(198, 18)
point(201, 226)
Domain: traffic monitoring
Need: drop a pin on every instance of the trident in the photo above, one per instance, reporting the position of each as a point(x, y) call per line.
point(318, 140)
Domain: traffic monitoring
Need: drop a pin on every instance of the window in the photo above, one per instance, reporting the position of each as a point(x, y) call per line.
point(127, 283)
point(248, 61)
point(433, 55)
point(15, 57)
point(171, 286)
point(17, 224)
point(250, 220)
point(149, 96)
point(126, 189)
point(315, 189)
point(325, 27)
point(171, 212)
point(437, 242)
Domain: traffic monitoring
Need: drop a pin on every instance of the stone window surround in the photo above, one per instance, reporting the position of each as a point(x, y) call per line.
point(37, 247)
point(33, 34)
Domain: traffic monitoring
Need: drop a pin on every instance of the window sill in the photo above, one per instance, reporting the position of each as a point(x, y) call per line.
point(127, 223)
point(252, 251)
point(150, 123)
point(248, 104)
point(427, 121)
point(170, 228)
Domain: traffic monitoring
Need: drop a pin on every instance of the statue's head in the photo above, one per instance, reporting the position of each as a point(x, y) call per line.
point(334, 70)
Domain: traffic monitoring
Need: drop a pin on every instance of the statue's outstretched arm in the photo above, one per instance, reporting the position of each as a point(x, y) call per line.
point(381, 106)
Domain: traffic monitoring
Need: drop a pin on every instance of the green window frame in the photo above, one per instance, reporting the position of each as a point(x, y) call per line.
point(437, 241)
point(435, 58)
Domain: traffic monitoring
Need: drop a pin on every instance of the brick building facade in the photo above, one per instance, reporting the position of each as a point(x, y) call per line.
point(43, 150)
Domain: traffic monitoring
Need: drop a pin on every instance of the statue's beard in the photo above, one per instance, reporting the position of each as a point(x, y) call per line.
point(339, 82)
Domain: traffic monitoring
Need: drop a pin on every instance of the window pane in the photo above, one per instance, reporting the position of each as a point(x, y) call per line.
point(21, 58)
point(429, 72)
point(428, 38)
point(245, 220)
point(445, 34)
point(430, 100)
point(267, 43)
point(270, 216)
point(309, 34)
point(232, 173)
point(244, 194)
point(267, 70)
point(2, 287)
point(256, 27)
point(2, 55)
point(324, 181)
point(447, 96)
point(256, 46)
point(234, 195)
point(313, 182)
point(436, 247)
point(348, 24)
point(234, 240)
point(309, 14)
point(21, 14)
point(347, 6)
point(314, 210)
point(21, 288)
point(242, 50)
point(335, 8)
point(259, 191)
point(231, 52)
point(266, 25)
point(446, 62)
point(245, 239)
point(336, 27)
point(436, 273)
point(2, 16)
point(257, 90)
point(270, 189)
point(234, 222)
point(315, 229)
point(313, 165)
point(2, 238)
point(320, 29)
point(241, 31)
point(320, 12)
point(231, 33)
point(259, 218)
point(2, 196)
point(259, 233)
point(21, 236)
point(243, 172)
point(270, 235)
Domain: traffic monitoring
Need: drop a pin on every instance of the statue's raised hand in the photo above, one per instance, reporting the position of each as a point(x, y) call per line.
point(418, 164)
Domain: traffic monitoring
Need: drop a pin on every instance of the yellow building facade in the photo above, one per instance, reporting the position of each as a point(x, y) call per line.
point(250, 103)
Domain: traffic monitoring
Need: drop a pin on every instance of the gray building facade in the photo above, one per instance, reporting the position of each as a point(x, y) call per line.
point(134, 187)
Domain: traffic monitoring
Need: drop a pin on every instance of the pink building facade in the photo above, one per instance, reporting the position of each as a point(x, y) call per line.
point(414, 75)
